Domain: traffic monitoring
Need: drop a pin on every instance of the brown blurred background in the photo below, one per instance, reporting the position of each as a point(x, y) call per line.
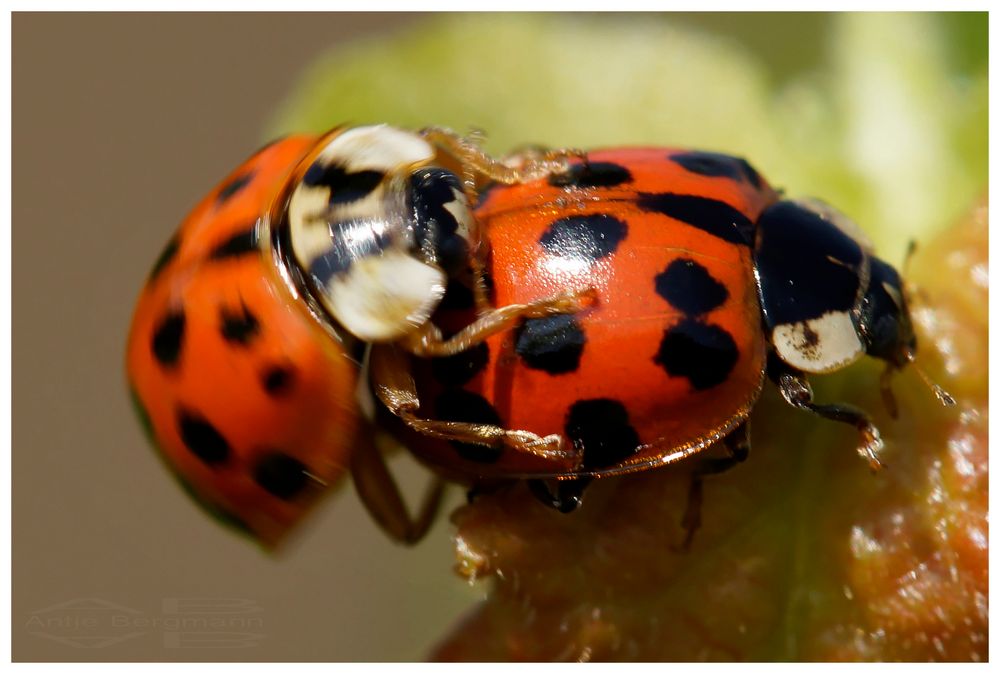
point(121, 123)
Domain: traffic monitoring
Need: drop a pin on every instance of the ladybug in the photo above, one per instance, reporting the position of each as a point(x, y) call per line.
point(707, 283)
point(248, 339)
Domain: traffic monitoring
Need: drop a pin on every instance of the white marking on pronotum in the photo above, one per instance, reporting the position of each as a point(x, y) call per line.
point(386, 296)
point(819, 345)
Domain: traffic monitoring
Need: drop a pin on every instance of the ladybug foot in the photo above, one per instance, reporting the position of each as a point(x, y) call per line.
point(870, 447)
point(796, 390)
point(566, 497)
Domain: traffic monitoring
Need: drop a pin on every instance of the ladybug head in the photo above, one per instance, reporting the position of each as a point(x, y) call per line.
point(887, 330)
point(886, 326)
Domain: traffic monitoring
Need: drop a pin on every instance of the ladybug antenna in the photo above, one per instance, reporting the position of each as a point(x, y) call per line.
point(945, 398)
point(911, 248)
point(911, 290)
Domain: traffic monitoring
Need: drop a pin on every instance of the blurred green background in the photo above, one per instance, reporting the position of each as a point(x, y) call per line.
point(884, 115)
point(130, 118)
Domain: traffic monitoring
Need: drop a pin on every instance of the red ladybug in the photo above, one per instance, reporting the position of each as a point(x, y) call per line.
point(706, 281)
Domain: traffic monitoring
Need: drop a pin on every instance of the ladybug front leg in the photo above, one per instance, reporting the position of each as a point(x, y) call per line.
point(394, 386)
point(519, 169)
point(427, 341)
point(737, 445)
point(795, 389)
point(382, 497)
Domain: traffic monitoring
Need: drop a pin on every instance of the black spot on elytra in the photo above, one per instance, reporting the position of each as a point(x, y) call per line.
point(601, 428)
point(233, 187)
point(168, 253)
point(690, 287)
point(717, 165)
point(280, 475)
point(468, 407)
point(709, 215)
point(553, 344)
point(238, 244)
point(345, 186)
point(202, 438)
point(594, 174)
point(587, 237)
point(704, 354)
point(238, 327)
point(277, 380)
point(458, 369)
point(168, 338)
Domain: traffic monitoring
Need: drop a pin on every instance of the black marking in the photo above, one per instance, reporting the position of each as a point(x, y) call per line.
point(345, 186)
point(593, 174)
point(717, 165)
point(168, 338)
point(601, 429)
point(349, 241)
point(709, 215)
point(690, 287)
point(233, 187)
point(241, 243)
point(704, 354)
point(553, 344)
point(202, 438)
point(794, 257)
point(586, 237)
point(460, 368)
point(486, 191)
point(280, 475)
point(435, 227)
point(240, 327)
point(885, 324)
point(277, 380)
point(213, 509)
point(468, 407)
point(169, 253)
point(457, 297)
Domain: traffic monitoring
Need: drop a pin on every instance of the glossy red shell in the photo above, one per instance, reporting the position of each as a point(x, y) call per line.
point(623, 334)
point(256, 425)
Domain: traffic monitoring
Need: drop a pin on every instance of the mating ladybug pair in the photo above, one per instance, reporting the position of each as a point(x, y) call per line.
point(556, 316)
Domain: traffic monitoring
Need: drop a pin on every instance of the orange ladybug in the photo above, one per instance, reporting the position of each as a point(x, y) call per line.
point(248, 339)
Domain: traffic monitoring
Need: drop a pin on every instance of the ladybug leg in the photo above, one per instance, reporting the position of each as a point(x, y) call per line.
point(518, 169)
point(795, 389)
point(427, 341)
point(567, 496)
point(737, 444)
point(382, 498)
point(394, 386)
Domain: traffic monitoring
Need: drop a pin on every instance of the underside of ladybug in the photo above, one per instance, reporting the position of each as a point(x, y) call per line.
point(555, 316)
